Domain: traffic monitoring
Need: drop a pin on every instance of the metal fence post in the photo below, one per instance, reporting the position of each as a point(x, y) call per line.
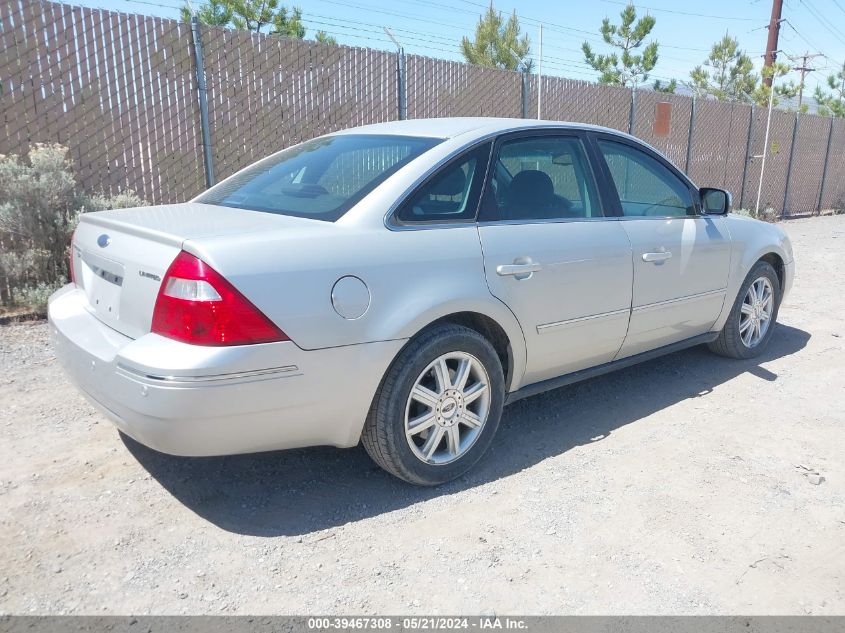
point(824, 167)
point(525, 89)
point(402, 83)
point(689, 134)
point(748, 156)
point(203, 102)
point(795, 125)
point(632, 115)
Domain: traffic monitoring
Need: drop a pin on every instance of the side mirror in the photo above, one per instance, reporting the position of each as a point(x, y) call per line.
point(715, 201)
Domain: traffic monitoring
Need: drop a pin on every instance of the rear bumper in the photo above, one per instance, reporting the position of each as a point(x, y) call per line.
point(190, 400)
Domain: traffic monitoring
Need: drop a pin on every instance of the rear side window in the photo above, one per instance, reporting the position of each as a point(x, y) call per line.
point(541, 178)
point(645, 186)
point(451, 194)
point(320, 179)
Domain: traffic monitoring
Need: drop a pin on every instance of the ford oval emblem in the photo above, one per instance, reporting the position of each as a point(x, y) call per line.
point(103, 241)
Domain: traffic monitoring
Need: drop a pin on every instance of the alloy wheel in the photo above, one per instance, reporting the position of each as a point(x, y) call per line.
point(447, 408)
point(755, 314)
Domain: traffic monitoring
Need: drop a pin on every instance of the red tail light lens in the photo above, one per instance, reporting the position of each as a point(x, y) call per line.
point(197, 305)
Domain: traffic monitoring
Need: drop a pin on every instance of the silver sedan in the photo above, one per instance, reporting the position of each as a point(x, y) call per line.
point(398, 284)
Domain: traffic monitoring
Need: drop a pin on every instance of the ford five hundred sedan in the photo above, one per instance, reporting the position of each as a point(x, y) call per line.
point(398, 284)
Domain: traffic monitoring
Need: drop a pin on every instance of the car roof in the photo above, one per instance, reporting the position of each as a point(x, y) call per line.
point(451, 127)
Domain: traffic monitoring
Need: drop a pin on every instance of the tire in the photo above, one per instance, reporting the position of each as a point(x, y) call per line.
point(465, 352)
point(731, 342)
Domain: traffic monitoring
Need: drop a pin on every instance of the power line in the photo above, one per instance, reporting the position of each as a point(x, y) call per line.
point(151, 4)
point(695, 15)
point(839, 35)
point(443, 43)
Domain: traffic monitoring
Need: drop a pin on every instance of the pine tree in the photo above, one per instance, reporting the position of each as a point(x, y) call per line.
point(325, 38)
point(213, 13)
point(498, 43)
point(669, 87)
point(727, 74)
point(627, 68)
point(832, 103)
point(253, 15)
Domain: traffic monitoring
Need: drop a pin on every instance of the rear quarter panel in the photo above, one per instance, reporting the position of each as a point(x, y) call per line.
point(414, 278)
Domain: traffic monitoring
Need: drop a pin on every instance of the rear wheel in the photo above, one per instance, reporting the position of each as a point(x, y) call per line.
point(438, 407)
point(750, 325)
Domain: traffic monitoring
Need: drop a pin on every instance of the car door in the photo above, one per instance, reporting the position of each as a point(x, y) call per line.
point(551, 255)
point(681, 258)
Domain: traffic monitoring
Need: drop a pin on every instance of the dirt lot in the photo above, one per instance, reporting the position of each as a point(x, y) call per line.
point(672, 487)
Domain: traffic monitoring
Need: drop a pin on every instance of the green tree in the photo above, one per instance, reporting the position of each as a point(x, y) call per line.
point(627, 68)
point(213, 13)
point(785, 89)
point(250, 15)
point(727, 74)
point(287, 25)
point(832, 103)
point(670, 86)
point(325, 38)
point(498, 43)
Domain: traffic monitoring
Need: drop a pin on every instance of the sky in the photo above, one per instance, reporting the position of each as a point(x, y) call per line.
point(684, 31)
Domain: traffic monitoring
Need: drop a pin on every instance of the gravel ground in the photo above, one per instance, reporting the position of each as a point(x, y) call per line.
point(677, 487)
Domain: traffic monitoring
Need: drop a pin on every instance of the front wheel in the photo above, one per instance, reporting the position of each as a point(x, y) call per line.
point(750, 325)
point(438, 407)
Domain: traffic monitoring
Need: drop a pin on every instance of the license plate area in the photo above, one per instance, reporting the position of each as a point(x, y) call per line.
point(102, 280)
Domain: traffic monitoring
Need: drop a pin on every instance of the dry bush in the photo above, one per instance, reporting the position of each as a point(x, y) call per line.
point(40, 203)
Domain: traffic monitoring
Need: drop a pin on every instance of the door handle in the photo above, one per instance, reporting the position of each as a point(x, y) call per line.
point(518, 270)
point(656, 257)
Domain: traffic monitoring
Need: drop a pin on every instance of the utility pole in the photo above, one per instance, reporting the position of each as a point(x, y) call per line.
point(772, 43)
point(804, 69)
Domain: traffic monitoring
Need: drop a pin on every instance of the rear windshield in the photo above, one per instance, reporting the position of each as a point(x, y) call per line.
point(320, 179)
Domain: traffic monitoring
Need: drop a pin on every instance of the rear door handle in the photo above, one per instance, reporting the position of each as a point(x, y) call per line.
point(522, 268)
point(518, 269)
point(656, 257)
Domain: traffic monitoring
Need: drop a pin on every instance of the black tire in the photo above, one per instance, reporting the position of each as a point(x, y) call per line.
point(384, 431)
point(730, 343)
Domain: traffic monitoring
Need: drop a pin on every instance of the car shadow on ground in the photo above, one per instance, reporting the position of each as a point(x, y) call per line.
point(300, 491)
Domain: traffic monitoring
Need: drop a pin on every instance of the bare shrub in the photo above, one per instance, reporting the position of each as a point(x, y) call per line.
point(40, 203)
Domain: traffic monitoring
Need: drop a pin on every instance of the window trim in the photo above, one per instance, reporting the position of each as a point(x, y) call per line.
point(539, 132)
point(474, 191)
point(390, 221)
point(610, 186)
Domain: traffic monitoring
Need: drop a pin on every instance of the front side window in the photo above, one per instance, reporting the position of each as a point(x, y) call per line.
point(645, 186)
point(541, 178)
point(320, 179)
point(451, 194)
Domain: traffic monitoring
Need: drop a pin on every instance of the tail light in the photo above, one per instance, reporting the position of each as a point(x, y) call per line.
point(197, 305)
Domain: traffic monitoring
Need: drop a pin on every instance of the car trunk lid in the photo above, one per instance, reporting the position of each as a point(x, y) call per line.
point(120, 257)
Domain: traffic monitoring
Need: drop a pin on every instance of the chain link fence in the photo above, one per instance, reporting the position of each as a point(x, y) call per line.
point(719, 145)
point(118, 90)
point(256, 85)
point(440, 88)
point(121, 92)
point(573, 100)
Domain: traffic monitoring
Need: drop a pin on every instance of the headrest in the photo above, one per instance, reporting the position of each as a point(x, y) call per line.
point(532, 184)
